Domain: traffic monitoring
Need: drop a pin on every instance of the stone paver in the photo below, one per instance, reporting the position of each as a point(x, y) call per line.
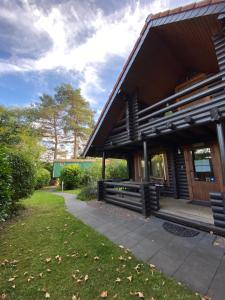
point(194, 261)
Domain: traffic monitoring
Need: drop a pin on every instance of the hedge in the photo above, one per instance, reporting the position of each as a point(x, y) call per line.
point(43, 178)
point(70, 176)
point(17, 180)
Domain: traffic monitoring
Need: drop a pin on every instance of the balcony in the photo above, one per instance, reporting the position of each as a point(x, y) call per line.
point(198, 104)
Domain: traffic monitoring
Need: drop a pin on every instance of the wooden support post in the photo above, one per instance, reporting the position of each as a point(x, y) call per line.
point(173, 171)
point(145, 154)
point(145, 198)
point(100, 190)
point(221, 142)
point(103, 165)
point(130, 169)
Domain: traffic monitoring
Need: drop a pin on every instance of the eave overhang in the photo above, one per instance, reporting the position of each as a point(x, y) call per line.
point(191, 11)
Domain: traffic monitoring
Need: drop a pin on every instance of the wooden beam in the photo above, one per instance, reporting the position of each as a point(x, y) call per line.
point(221, 143)
point(130, 166)
point(103, 165)
point(173, 170)
point(145, 154)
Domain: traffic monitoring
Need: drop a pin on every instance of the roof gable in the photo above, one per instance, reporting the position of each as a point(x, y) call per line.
point(203, 8)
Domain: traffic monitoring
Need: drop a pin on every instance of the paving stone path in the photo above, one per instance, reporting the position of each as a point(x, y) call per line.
point(194, 261)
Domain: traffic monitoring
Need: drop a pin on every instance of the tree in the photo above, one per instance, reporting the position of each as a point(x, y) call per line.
point(78, 117)
point(48, 117)
point(18, 134)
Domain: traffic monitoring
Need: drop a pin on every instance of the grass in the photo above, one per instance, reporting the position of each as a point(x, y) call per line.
point(46, 252)
point(74, 192)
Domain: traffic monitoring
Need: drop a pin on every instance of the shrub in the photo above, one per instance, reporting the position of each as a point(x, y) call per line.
point(48, 166)
point(70, 175)
point(17, 179)
point(23, 176)
point(91, 174)
point(43, 178)
point(5, 186)
point(117, 168)
point(88, 192)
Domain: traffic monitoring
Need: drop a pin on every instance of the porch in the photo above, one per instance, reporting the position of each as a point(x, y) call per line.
point(145, 198)
point(185, 209)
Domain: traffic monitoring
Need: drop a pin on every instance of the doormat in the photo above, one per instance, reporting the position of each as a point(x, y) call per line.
point(179, 230)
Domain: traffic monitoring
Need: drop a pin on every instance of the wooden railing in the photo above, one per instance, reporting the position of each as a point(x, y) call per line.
point(198, 104)
point(141, 197)
point(185, 107)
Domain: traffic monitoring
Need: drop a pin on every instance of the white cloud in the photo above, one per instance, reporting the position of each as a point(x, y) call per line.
point(111, 35)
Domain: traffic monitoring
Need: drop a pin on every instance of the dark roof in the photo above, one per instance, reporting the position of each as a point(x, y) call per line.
point(169, 16)
point(184, 8)
point(71, 160)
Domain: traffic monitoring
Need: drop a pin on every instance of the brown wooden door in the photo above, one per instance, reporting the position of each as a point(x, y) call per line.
point(203, 170)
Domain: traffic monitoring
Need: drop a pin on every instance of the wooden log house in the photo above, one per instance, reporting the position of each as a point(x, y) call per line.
point(166, 117)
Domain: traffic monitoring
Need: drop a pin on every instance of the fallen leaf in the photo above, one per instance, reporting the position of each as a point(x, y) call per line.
point(79, 280)
point(11, 279)
point(152, 266)
point(121, 258)
point(129, 257)
point(129, 278)
point(14, 286)
point(96, 258)
point(14, 262)
point(59, 258)
point(104, 294)
point(48, 259)
point(40, 274)
point(47, 295)
point(138, 294)
point(86, 277)
point(118, 280)
point(137, 267)
point(30, 278)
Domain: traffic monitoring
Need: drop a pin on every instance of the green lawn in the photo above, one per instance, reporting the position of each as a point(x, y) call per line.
point(74, 192)
point(47, 253)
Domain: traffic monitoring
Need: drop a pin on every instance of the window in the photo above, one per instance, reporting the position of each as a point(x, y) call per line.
point(202, 165)
point(158, 166)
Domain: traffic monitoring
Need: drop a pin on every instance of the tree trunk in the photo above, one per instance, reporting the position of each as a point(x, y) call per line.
point(55, 140)
point(75, 146)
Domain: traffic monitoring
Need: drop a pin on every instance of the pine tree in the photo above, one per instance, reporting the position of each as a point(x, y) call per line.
point(78, 117)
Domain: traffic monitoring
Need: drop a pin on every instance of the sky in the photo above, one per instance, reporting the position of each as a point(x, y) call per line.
point(45, 43)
